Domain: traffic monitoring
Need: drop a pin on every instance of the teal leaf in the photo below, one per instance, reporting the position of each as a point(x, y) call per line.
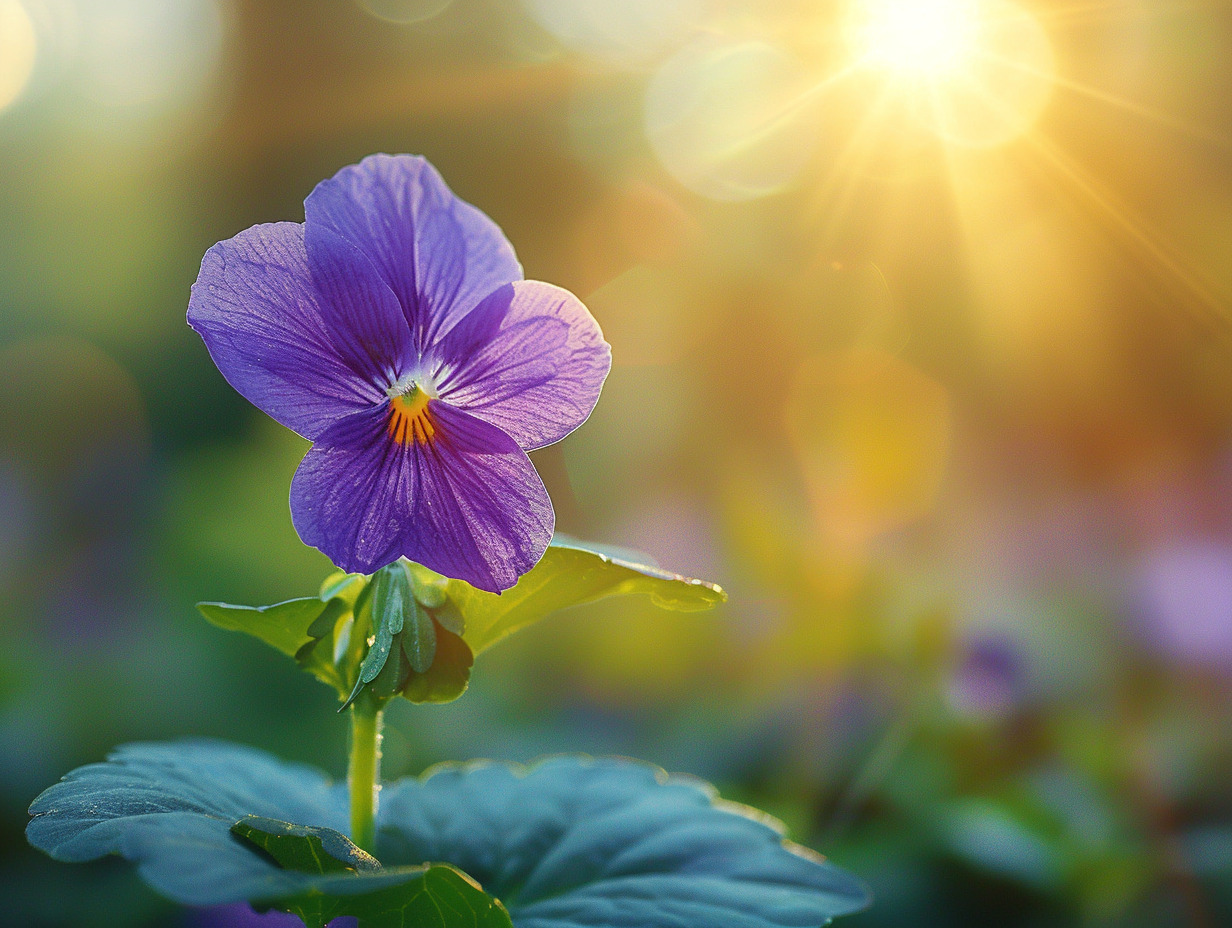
point(571, 574)
point(208, 823)
point(569, 843)
point(169, 808)
point(604, 843)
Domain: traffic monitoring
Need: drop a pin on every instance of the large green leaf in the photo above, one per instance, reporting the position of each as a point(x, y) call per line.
point(571, 574)
point(210, 822)
point(569, 843)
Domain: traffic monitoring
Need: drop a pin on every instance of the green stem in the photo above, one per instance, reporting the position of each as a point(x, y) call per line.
point(364, 769)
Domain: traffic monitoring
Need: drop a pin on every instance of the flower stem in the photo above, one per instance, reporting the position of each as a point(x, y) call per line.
point(364, 769)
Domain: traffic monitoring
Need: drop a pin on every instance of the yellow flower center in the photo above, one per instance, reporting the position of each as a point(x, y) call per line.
point(410, 419)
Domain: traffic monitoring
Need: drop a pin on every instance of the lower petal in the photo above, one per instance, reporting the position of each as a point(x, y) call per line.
point(459, 497)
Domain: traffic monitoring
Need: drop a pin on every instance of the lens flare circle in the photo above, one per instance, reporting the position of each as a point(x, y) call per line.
point(732, 120)
point(620, 31)
point(18, 49)
point(404, 12)
point(145, 57)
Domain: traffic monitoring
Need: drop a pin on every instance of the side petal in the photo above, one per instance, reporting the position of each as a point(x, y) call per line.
point(267, 328)
point(530, 359)
point(461, 497)
point(438, 254)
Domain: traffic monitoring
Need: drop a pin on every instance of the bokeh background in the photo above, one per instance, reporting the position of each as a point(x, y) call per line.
point(920, 316)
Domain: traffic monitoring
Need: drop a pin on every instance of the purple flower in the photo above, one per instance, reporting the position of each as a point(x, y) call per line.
point(393, 328)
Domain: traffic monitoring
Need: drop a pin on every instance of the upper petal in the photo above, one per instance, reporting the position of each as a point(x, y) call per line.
point(530, 359)
point(272, 333)
point(365, 318)
point(438, 254)
point(461, 498)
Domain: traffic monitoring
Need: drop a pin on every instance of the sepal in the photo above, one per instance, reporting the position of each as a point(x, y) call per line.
point(409, 631)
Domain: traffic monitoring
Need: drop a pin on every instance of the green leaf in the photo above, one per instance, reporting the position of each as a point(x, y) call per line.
point(449, 674)
point(324, 624)
point(442, 897)
point(569, 575)
point(433, 626)
point(431, 594)
point(449, 617)
point(307, 629)
point(306, 848)
point(392, 676)
point(344, 586)
point(283, 625)
point(391, 598)
point(314, 630)
point(568, 843)
point(404, 642)
point(419, 638)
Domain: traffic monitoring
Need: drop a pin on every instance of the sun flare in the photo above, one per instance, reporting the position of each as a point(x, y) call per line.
point(920, 37)
point(978, 73)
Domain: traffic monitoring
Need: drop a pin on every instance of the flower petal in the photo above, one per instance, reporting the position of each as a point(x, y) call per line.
point(438, 254)
point(461, 497)
point(530, 359)
point(365, 317)
point(273, 334)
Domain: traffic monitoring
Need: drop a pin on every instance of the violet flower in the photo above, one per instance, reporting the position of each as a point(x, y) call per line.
point(394, 330)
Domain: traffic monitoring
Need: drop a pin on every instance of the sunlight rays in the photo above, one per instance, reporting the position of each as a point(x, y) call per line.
point(979, 75)
point(1133, 232)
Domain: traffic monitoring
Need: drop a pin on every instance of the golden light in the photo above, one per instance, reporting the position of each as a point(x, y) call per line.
point(977, 72)
point(923, 37)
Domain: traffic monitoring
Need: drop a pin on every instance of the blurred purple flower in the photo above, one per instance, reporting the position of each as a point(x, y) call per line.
point(242, 915)
point(990, 679)
point(394, 330)
point(1185, 602)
